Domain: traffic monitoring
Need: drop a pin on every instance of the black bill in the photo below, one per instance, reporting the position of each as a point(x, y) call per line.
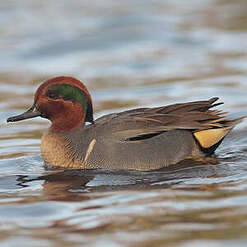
point(30, 113)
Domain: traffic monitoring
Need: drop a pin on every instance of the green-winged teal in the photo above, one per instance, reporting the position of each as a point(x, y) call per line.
point(141, 139)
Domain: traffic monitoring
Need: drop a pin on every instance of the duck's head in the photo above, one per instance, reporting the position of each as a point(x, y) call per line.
point(64, 100)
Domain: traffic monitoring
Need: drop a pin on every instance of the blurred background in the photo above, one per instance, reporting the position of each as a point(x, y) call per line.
point(129, 54)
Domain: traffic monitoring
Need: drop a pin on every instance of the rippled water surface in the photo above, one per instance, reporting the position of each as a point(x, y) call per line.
point(130, 54)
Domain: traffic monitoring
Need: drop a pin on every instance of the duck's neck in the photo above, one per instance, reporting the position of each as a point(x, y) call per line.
point(68, 122)
point(58, 126)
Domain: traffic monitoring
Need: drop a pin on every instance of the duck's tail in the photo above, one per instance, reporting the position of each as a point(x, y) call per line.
point(210, 139)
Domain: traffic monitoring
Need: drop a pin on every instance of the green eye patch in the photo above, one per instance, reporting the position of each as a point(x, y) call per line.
point(71, 93)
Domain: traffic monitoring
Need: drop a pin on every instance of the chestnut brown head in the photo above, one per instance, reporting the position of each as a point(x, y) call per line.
point(64, 100)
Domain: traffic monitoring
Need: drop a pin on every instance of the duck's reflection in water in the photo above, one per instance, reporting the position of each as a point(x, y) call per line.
point(75, 185)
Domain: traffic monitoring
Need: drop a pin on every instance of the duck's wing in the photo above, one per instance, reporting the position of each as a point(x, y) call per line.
point(195, 116)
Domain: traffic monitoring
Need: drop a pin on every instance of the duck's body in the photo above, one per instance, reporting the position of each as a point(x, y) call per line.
point(139, 139)
point(98, 146)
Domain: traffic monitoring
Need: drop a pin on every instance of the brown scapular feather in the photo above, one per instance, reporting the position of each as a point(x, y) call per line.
point(194, 116)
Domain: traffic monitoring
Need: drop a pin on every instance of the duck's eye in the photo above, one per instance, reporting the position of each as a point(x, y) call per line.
point(52, 94)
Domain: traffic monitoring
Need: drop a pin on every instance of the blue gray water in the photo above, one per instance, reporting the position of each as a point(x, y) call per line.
point(129, 54)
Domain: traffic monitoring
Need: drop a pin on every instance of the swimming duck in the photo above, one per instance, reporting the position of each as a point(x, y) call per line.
point(140, 139)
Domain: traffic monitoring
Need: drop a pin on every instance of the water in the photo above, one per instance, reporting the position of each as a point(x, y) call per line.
point(130, 54)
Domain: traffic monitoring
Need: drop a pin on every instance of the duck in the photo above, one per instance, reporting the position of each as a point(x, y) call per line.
point(141, 139)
